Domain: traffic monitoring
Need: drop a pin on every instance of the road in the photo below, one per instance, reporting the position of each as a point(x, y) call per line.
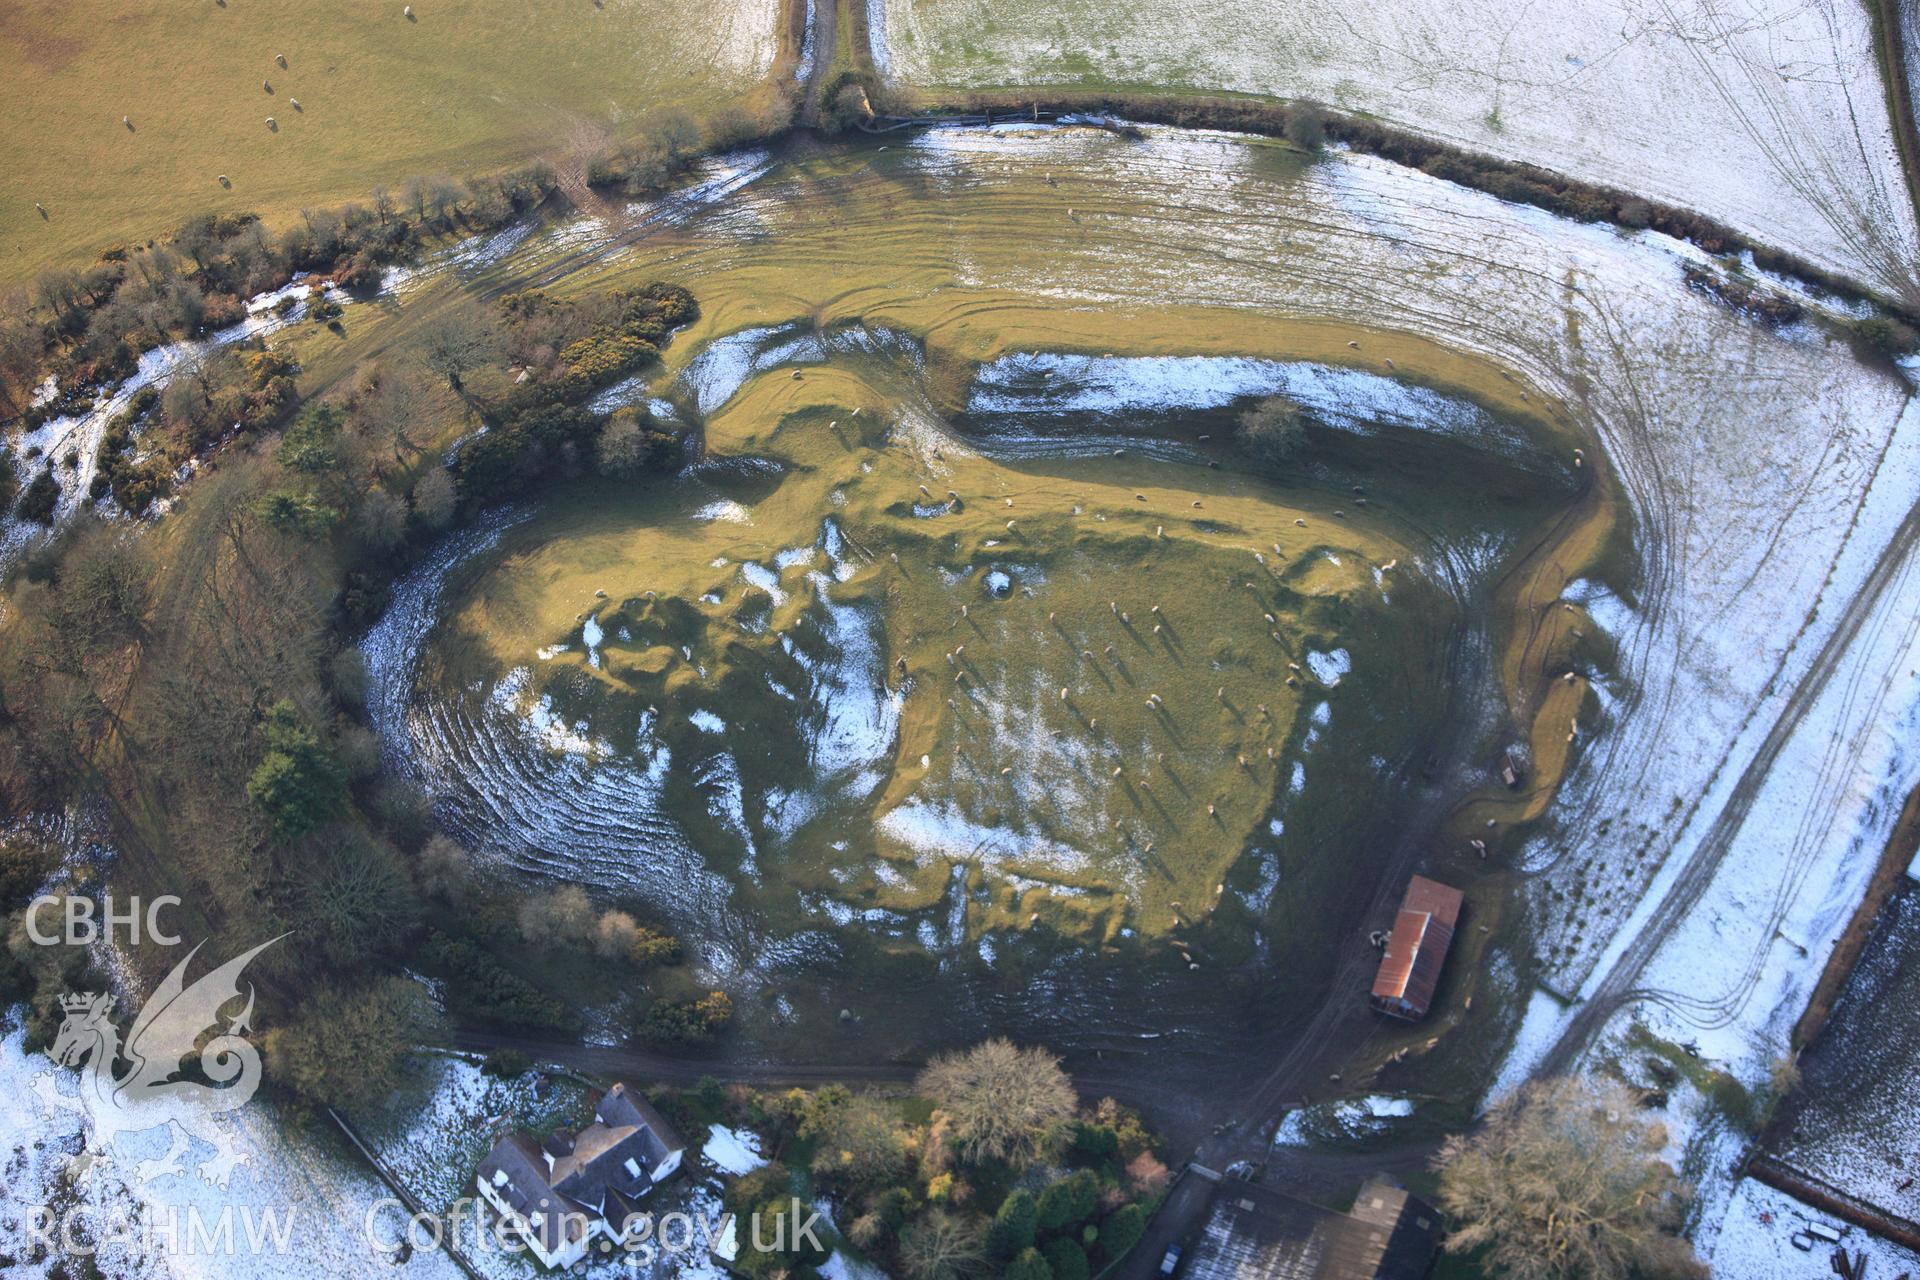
point(824, 30)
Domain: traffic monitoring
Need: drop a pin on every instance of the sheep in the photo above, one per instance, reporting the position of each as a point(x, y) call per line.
point(1389, 362)
point(928, 492)
point(40, 209)
point(1155, 610)
point(1271, 620)
point(1007, 772)
point(1053, 617)
point(1159, 531)
point(1157, 628)
point(1354, 345)
point(963, 611)
point(1126, 619)
point(1009, 526)
point(281, 58)
point(223, 180)
point(266, 86)
point(1301, 523)
point(952, 496)
point(273, 125)
point(1579, 457)
point(1116, 771)
point(127, 121)
point(1211, 811)
point(1009, 501)
point(406, 11)
point(1063, 693)
point(295, 104)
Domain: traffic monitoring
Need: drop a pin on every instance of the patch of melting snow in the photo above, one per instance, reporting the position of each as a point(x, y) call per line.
point(1330, 668)
point(706, 721)
point(591, 635)
point(758, 575)
point(734, 1151)
point(1054, 383)
point(724, 511)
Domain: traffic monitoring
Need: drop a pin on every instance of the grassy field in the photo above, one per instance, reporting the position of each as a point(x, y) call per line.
point(465, 86)
point(1177, 608)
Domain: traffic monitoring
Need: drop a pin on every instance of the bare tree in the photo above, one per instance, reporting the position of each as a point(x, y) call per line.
point(458, 340)
point(1565, 1182)
point(941, 1246)
point(395, 404)
point(1000, 1100)
point(563, 916)
point(442, 869)
point(434, 498)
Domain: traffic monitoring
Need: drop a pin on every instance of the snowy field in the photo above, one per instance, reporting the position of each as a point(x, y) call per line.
point(1756, 1241)
point(296, 1208)
point(1856, 1123)
point(1765, 114)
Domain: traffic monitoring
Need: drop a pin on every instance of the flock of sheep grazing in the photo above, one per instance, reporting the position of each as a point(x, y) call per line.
point(266, 86)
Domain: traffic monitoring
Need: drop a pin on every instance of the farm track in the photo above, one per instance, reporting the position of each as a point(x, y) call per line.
point(1618, 988)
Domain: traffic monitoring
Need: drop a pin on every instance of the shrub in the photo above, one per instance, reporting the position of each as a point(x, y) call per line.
point(40, 498)
point(1273, 430)
point(1307, 126)
point(507, 1063)
point(1014, 1225)
point(687, 1021)
point(1067, 1260)
point(297, 784)
point(1887, 335)
point(1122, 1230)
point(349, 1048)
point(479, 987)
point(1066, 1204)
point(1028, 1264)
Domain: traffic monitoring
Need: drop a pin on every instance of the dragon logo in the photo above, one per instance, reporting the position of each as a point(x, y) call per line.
point(149, 1093)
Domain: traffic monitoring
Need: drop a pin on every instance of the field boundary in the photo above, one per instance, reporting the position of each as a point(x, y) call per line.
point(1834, 1201)
point(1889, 47)
point(1510, 180)
point(1902, 844)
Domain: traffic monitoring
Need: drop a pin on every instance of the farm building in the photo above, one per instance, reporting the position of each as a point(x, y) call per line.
point(1416, 949)
point(1254, 1233)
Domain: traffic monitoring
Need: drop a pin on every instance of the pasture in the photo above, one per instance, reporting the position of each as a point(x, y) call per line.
point(123, 117)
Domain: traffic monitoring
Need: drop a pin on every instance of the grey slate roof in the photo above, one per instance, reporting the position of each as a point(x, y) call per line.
point(1254, 1233)
point(600, 1172)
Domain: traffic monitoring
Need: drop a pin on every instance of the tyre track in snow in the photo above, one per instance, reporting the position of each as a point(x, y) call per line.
point(1619, 988)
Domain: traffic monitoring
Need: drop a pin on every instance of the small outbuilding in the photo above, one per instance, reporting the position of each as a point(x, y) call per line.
point(1416, 949)
point(1256, 1233)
